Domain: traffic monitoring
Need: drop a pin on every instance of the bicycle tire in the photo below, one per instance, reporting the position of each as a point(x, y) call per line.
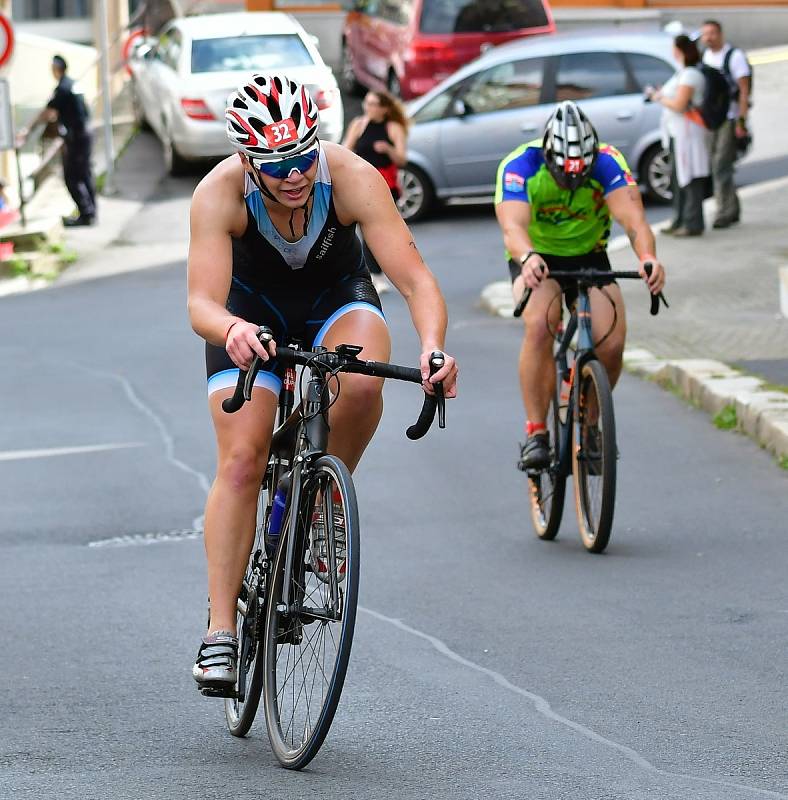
point(240, 713)
point(547, 488)
point(295, 742)
point(595, 478)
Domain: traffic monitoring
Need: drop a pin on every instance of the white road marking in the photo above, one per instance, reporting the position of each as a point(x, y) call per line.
point(544, 708)
point(48, 452)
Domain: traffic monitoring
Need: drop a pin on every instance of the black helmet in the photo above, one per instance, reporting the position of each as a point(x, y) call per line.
point(570, 146)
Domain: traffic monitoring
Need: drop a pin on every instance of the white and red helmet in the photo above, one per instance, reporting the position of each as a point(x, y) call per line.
point(271, 117)
point(570, 146)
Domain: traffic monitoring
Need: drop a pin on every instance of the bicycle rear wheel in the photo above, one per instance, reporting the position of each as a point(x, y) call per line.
point(547, 487)
point(594, 458)
point(250, 621)
point(307, 647)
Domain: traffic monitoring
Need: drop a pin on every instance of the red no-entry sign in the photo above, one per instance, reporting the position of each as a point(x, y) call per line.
point(6, 39)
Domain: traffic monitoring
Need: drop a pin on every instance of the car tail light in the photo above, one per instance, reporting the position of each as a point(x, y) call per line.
point(325, 97)
point(196, 109)
point(430, 51)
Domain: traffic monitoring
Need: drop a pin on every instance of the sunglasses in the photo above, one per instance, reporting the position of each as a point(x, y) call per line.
point(282, 170)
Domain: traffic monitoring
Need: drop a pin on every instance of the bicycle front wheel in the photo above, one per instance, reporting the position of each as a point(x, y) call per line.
point(240, 710)
point(308, 635)
point(546, 488)
point(594, 458)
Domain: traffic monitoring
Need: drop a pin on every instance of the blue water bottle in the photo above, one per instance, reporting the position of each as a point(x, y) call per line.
point(277, 512)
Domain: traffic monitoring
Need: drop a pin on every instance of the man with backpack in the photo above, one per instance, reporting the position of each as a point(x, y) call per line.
point(730, 137)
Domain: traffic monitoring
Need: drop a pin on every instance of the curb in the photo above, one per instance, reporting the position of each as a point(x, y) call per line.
point(748, 404)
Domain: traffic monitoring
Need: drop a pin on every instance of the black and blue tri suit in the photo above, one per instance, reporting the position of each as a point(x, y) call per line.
point(298, 289)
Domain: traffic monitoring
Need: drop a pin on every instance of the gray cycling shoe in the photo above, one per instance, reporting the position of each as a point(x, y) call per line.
point(216, 669)
point(319, 559)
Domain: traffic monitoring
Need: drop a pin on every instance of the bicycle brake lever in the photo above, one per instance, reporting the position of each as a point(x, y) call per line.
point(437, 360)
point(265, 336)
point(655, 298)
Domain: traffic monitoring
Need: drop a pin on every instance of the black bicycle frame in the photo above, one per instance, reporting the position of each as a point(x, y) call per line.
point(314, 429)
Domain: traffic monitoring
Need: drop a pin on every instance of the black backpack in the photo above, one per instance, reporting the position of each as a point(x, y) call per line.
point(726, 71)
point(716, 97)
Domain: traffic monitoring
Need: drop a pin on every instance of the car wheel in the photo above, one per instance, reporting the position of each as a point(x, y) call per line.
point(655, 174)
point(417, 194)
point(175, 164)
point(140, 120)
point(350, 83)
point(393, 84)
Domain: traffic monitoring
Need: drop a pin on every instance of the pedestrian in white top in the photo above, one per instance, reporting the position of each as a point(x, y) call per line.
point(720, 55)
point(687, 137)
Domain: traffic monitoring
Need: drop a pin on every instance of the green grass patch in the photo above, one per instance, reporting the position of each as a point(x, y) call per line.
point(726, 419)
point(783, 462)
point(18, 266)
point(66, 254)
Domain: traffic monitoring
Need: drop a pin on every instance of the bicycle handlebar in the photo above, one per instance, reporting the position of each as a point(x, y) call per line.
point(595, 276)
point(345, 359)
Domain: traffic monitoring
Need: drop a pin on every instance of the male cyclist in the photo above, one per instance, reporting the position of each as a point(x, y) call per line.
point(554, 199)
point(273, 243)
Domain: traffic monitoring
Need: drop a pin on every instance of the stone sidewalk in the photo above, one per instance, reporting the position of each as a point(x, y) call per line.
point(724, 295)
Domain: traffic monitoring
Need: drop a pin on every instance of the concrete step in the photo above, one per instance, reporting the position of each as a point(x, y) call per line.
point(37, 233)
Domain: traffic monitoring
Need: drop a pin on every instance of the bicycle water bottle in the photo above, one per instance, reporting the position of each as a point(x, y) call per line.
point(277, 513)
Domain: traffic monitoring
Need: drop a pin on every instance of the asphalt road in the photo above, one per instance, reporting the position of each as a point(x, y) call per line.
point(485, 661)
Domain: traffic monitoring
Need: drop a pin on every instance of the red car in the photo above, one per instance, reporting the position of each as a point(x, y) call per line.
point(408, 46)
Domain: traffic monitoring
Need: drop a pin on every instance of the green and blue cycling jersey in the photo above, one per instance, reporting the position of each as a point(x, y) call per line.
point(563, 222)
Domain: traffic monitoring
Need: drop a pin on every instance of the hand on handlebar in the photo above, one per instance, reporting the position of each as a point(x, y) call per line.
point(655, 278)
point(447, 374)
point(534, 271)
point(243, 343)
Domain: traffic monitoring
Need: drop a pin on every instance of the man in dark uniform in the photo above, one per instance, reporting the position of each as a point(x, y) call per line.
point(69, 109)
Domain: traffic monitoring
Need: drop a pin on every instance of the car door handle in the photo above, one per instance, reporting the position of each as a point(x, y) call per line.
point(623, 116)
point(529, 127)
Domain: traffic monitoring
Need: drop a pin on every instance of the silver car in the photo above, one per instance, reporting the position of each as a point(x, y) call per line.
point(181, 80)
point(464, 127)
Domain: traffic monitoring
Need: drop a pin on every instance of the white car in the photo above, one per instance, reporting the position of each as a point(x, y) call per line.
point(181, 80)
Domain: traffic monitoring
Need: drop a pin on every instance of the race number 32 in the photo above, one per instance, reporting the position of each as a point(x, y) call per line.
point(279, 133)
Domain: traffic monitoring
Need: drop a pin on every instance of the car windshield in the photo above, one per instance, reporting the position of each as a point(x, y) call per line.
point(249, 53)
point(481, 16)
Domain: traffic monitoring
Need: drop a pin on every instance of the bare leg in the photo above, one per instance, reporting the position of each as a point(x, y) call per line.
point(537, 377)
point(611, 351)
point(243, 440)
point(355, 415)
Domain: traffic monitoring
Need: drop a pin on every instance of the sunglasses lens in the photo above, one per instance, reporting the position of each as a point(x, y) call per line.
point(282, 169)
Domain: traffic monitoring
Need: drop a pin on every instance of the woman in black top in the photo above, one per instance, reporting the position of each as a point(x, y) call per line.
point(379, 136)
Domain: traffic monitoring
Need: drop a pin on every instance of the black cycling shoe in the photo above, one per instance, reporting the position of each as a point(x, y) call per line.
point(216, 669)
point(535, 453)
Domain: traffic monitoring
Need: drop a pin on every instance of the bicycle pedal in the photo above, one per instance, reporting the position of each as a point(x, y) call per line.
point(213, 691)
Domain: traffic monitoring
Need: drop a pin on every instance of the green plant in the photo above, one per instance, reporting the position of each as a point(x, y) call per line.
point(18, 266)
point(784, 462)
point(726, 419)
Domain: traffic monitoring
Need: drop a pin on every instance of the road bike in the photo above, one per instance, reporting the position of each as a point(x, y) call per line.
point(581, 425)
point(297, 605)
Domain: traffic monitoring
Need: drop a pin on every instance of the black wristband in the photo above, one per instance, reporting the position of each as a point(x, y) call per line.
point(525, 258)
